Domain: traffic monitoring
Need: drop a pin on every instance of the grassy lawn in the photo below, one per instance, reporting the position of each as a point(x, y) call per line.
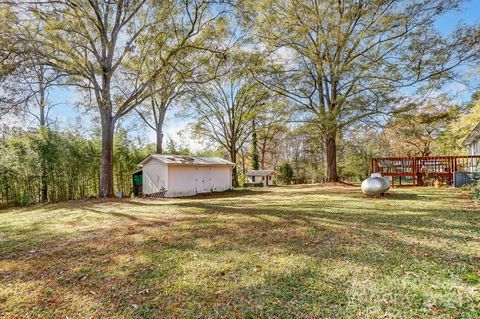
point(288, 252)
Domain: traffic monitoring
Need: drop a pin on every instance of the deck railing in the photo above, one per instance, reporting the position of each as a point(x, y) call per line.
point(419, 169)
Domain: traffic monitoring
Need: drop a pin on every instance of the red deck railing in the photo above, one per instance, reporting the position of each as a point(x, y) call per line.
point(419, 169)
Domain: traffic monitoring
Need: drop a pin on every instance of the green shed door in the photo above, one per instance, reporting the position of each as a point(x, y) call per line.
point(138, 180)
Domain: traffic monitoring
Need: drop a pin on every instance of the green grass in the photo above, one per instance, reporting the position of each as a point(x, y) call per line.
point(288, 252)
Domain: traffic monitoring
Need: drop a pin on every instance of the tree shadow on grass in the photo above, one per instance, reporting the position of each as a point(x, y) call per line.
point(217, 258)
point(168, 253)
point(401, 196)
point(341, 210)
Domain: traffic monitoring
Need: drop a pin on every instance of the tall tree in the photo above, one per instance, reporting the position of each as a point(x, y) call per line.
point(9, 46)
point(11, 55)
point(104, 47)
point(167, 88)
point(347, 59)
point(37, 81)
point(226, 106)
point(304, 150)
point(255, 155)
point(25, 91)
point(269, 137)
point(414, 133)
point(450, 141)
point(203, 47)
point(272, 127)
point(72, 164)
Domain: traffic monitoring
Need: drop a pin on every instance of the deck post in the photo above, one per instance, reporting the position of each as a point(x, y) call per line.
point(414, 171)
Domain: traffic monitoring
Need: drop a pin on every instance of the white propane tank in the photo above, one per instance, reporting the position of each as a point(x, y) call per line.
point(374, 186)
point(386, 180)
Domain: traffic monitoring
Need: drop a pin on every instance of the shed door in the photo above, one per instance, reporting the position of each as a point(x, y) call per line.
point(204, 179)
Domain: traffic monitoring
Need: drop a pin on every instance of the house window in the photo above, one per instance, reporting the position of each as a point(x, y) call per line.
point(270, 177)
point(253, 178)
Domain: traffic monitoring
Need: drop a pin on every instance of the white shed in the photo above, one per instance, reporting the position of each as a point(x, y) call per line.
point(264, 176)
point(179, 175)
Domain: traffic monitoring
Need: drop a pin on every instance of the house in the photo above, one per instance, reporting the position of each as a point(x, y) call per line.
point(472, 142)
point(265, 177)
point(176, 175)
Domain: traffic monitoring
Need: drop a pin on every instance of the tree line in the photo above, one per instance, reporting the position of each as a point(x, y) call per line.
point(296, 79)
point(44, 164)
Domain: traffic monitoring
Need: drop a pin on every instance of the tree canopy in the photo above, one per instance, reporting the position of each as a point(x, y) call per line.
point(318, 87)
point(346, 60)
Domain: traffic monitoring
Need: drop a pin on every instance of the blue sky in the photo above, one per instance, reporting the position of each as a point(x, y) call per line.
point(469, 13)
point(65, 112)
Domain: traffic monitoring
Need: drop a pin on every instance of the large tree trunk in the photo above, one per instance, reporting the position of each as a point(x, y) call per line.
point(244, 168)
point(233, 158)
point(263, 151)
point(43, 167)
point(161, 108)
point(44, 178)
point(106, 164)
point(427, 151)
point(43, 125)
point(159, 148)
point(331, 150)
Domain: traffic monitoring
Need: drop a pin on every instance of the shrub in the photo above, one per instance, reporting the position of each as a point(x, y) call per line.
point(285, 173)
point(474, 190)
point(24, 200)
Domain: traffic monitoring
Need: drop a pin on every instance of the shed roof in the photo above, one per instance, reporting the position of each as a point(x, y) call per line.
point(187, 160)
point(474, 134)
point(260, 172)
point(138, 171)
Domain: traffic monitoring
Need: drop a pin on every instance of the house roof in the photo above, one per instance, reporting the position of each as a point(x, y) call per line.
point(186, 160)
point(474, 134)
point(261, 172)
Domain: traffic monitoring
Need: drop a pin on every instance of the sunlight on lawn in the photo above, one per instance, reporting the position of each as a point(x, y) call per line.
point(300, 251)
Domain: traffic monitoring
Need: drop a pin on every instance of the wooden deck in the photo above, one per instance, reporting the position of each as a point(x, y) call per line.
point(422, 170)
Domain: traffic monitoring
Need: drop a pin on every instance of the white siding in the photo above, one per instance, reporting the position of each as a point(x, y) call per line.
point(271, 179)
point(191, 180)
point(475, 147)
point(221, 178)
point(258, 179)
point(265, 180)
point(155, 177)
point(185, 180)
point(181, 181)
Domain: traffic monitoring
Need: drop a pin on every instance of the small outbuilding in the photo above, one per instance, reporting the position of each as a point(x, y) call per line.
point(265, 177)
point(177, 175)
